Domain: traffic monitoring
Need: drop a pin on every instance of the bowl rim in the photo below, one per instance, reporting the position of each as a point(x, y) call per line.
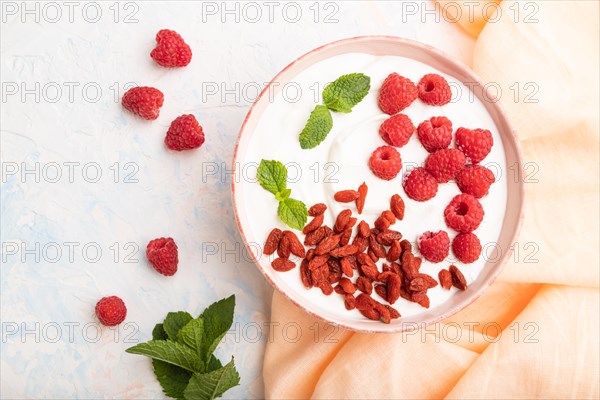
point(402, 327)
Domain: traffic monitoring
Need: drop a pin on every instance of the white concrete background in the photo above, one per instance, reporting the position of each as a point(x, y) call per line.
point(63, 69)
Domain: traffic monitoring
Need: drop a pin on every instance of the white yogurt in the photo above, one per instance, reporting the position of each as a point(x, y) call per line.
point(341, 162)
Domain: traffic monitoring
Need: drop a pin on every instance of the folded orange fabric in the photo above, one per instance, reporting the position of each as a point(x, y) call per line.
point(534, 334)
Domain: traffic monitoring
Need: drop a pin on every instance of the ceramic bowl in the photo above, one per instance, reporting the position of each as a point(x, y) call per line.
point(384, 45)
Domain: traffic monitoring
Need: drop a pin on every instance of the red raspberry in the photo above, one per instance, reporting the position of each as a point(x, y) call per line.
point(385, 162)
point(434, 246)
point(171, 50)
point(111, 311)
point(466, 247)
point(162, 254)
point(397, 93)
point(397, 130)
point(475, 180)
point(143, 101)
point(420, 185)
point(435, 134)
point(464, 213)
point(434, 90)
point(475, 143)
point(444, 164)
point(184, 133)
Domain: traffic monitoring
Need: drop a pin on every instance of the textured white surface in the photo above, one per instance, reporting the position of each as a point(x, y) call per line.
point(49, 344)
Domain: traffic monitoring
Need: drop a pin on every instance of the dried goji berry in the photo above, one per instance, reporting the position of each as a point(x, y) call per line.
point(296, 247)
point(394, 314)
point(349, 302)
point(314, 237)
point(458, 279)
point(394, 285)
point(317, 261)
point(361, 243)
point(345, 236)
point(347, 285)
point(376, 248)
point(394, 252)
point(272, 242)
point(283, 250)
point(317, 209)
point(445, 278)
point(344, 251)
point(363, 229)
point(397, 206)
point(346, 267)
point(381, 290)
point(327, 244)
point(364, 285)
point(305, 274)
point(341, 220)
point(282, 264)
point(388, 236)
point(346, 196)
point(360, 201)
point(316, 222)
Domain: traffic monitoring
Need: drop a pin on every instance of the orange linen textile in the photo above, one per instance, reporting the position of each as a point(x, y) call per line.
point(535, 333)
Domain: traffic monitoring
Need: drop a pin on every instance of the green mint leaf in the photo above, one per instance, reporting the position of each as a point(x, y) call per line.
point(293, 213)
point(170, 352)
point(317, 127)
point(213, 364)
point(213, 384)
point(191, 335)
point(346, 92)
point(174, 322)
point(218, 318)
point(158, 333)
point(173, 379)
point(284, 194)
point(272, 176)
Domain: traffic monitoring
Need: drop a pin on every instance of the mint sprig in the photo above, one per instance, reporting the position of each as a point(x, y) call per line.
point(346, 92)
point(340, 95)
point(182, 353)
point(317, 127)
point(272, 176)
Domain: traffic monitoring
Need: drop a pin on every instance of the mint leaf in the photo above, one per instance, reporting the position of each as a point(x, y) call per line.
point(284, 194)
point(213, 364)
point(158, 333)
point(191, 335)
point(173, 379)
point(346, 92)
point(170, 352)
point(272, 176)
point(174, 322)
point(218, 318)
point(317, 127)
point(293, 213)
point(213, 384)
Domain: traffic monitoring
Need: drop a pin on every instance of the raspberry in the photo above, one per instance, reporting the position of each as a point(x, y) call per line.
point(434, 246)
point(397, 130)
point(435, 133)
point(420, 185)
point(466, 247)
point(397, 93)
point(464, 213)
point(171, 50)
point(143, 101)
point(385, 162)
point(475, 180)
point(111, 311)
point(444, 164)
point(475, 143)
point(434, 90)
point(184, 133)
point(162, 254)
